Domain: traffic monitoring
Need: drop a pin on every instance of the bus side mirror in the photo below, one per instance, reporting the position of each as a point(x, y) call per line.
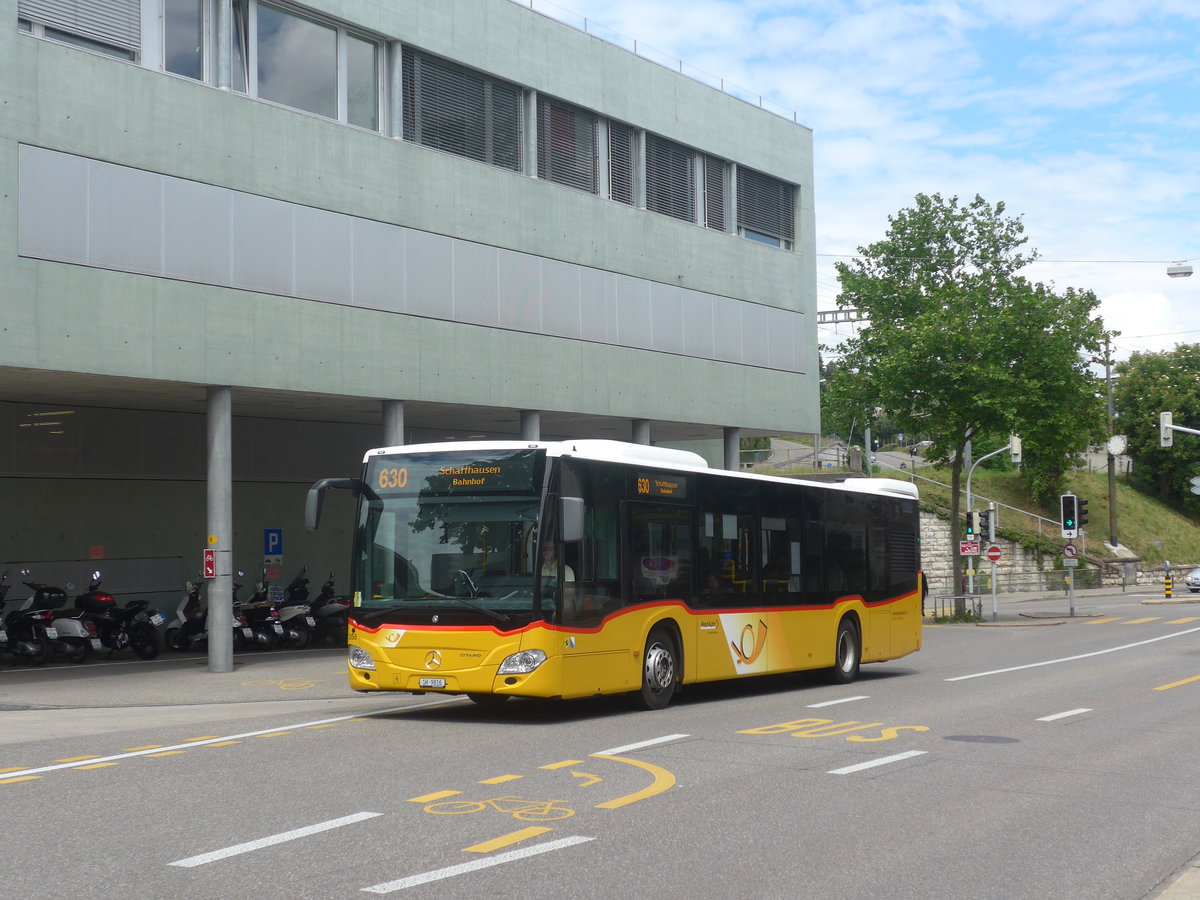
point(316, 498)
point(570, 516)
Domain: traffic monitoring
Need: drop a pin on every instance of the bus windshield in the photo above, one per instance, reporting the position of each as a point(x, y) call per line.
point(449, 532)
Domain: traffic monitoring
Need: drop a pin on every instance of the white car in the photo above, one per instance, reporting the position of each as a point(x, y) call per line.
point(1193, 580)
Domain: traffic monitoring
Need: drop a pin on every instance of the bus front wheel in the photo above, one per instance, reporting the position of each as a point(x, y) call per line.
point(660, 669)
point(847, 653)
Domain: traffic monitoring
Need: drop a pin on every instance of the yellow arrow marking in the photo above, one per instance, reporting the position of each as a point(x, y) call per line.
point(663, 781)
point(596, 779)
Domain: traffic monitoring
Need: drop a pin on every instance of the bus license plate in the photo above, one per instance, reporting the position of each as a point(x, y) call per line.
point(431, 682)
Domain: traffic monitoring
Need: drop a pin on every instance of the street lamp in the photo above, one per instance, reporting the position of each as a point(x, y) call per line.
point(1179, 269)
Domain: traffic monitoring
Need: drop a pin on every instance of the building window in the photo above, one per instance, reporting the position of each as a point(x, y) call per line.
point(297, 61)
point(766, 209)
point(620, 162)
point(111, 27)
point(566, 145)
point(183, 37)
point(670, 178)
point(362, 82)
point(714, 193)
point(459, 110)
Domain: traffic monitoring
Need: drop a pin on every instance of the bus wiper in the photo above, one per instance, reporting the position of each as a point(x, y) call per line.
point(497, 616)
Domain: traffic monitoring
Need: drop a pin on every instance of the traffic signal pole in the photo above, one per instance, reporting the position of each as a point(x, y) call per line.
point(1012, 445)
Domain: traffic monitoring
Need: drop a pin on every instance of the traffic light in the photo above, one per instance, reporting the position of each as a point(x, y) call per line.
point(1014, 447)
point(985, 525)
point(1070, 515)
point(1081, 511)
point(1166, 437)
point(972, 525)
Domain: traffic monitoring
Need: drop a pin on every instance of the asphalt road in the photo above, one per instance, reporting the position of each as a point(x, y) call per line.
point(1047, 757)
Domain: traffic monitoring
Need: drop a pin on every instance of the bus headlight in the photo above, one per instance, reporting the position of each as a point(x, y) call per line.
point(361, 659)
point(522, 663)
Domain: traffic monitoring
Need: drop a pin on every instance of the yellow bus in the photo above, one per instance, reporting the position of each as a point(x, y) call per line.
point(578, 568)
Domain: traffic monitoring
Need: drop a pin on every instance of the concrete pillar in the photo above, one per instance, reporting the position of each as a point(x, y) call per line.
point(733, 448)
point(393, 423)
point(641, 431)
point(531, 425)
point(220, 528)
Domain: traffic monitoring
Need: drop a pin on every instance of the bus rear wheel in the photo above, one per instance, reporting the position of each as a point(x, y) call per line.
point(660, 669)
point(847, 653)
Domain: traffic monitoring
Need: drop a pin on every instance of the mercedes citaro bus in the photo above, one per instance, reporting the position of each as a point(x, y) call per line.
point(579, 568)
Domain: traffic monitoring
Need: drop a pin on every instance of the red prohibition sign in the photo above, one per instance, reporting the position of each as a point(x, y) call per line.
point(993, 553)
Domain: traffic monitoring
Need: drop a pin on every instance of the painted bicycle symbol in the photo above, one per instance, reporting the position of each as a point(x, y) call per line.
point(519, 807)
point(284, 684)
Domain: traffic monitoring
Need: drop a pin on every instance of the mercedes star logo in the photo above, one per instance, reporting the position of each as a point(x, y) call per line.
point(433, 659)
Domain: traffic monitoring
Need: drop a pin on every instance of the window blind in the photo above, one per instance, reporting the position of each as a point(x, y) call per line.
point(620, 162)
point(714, 192)
point(459, 110)
point(670, 178)
point(766, 205)
point(566, 145)
point(114, 22)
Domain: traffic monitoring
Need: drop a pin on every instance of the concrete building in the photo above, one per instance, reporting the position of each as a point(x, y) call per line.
point(244, 241)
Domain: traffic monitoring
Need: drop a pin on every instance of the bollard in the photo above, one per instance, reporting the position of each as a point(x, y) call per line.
point(1167, 587)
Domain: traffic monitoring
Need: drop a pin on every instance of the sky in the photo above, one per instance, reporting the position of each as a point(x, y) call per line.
point(1083, 118)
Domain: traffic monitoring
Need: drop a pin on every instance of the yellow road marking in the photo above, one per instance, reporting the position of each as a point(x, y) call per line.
point(500, 779)
point(97, 766)
point(203, 737)
point(1143, 621)
point(224, 743)
point(274, 734)
point(561, 765)
point(1184, 621)
point(1175, 684)
point(663, 781)
point(326, 725)
point(595, 779)
point(434, 796)
point(136, 749)
point(13, 769)
point(78, 758)
point(506, 840)
point(164, 753)
point(1102, 621)
point(22, 778)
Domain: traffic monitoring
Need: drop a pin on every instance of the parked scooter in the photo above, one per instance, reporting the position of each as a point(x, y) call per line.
point(27, 633)
point(74, 636)
point(299, 625)
point(332, 614)
point(133, 626)
point(262, 618)
point(190, 625)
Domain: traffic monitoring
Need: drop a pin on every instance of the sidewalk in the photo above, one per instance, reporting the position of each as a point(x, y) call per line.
point(1031, 607)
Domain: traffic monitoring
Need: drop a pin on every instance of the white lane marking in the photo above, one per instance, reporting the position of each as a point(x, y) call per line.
point(474, 865)
point(883, 761)
point(229, 737)
point(617, 751)
point(836, 702)
point(1064, 715)
point(1051, 662)
point(274, 839)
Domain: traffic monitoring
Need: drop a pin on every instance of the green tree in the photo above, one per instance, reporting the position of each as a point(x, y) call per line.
point(961, 347)
point(1149, 384)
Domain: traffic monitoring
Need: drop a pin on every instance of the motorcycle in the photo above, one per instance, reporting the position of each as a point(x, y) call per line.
point(295, 612)
point(133, 626)
point(27, 633)
point(190, 625)
point(332, 614)
point(262, 619)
